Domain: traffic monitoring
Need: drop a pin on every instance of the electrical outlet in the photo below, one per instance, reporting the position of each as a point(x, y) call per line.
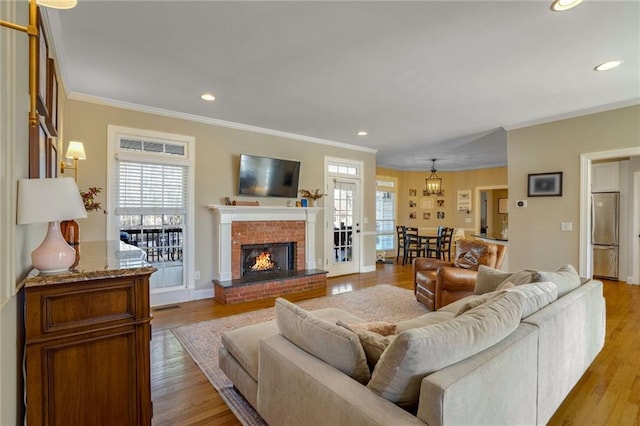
point(196, 275)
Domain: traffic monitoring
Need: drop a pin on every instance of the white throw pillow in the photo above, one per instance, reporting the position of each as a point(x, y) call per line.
point(565, 277)
point(329, 342)
point(488, 279)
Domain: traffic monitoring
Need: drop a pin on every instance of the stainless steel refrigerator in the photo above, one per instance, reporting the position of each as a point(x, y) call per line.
point(604, 234)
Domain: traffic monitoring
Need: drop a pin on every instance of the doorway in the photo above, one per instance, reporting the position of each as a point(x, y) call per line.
point(585, 267)
point(343, 211)
point(491, 218)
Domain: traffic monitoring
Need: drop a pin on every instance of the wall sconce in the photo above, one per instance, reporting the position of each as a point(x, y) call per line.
point(50, 200)
point(75, 151)
point(433, 182)
point(32, 32)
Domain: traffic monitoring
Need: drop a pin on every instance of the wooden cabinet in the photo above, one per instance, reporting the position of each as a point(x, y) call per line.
point(87, 351)
point(605, 177)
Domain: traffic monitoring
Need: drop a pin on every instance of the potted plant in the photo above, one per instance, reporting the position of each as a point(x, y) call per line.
point(313, 197)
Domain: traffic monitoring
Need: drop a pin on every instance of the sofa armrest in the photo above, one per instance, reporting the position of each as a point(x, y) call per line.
point(295, 387)
point(495, 386)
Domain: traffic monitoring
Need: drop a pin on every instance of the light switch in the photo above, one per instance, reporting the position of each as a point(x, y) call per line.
point(467, 220)
point(566, 226)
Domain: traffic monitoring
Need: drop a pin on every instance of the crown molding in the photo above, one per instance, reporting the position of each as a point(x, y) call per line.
point(575, 114)
point(213, 121)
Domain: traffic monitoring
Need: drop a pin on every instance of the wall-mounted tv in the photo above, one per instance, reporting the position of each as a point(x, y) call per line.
point(268, 177)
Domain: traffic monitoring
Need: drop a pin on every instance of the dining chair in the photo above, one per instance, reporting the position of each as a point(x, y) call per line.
point(414, 245)
point(443, 244)
point(400, 241)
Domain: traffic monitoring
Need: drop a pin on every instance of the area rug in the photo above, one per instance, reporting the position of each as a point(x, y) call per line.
point(202, 340)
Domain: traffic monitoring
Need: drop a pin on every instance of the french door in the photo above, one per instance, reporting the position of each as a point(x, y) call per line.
point(343, 226)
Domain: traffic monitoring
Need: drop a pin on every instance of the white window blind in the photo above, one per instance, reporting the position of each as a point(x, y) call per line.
point(149, 188)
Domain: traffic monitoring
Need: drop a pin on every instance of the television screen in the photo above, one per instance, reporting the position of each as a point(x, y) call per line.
point(268, 177)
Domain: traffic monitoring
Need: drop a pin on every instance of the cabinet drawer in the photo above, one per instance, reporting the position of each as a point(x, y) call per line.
point(80, 306)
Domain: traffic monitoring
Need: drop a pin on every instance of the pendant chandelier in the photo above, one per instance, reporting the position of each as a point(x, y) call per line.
point(434, 183)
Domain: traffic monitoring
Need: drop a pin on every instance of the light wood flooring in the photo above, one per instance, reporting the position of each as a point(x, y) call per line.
point(608, 393)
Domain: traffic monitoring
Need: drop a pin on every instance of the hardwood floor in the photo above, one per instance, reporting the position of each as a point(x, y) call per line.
point(608, 393)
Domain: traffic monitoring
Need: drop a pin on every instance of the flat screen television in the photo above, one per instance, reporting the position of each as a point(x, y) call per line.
point(268, 177)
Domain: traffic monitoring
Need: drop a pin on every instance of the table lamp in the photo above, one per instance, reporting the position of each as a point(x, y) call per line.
point(50, 200)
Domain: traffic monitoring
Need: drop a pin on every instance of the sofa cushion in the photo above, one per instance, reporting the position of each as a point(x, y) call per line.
point(327, 341)
point(373, 343)
point(242, 343)
point(472, 302)
point(422, 320)
point(565, 277)
point(535, 296)
point(417, 352)
point(488, 279)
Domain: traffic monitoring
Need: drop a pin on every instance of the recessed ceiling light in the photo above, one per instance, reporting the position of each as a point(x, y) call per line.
point(562, 5)
point(609, 65)
point(208, 97)
point(362, 133)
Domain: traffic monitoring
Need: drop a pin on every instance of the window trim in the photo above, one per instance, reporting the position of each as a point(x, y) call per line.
point(393, 188)
point(114, 134)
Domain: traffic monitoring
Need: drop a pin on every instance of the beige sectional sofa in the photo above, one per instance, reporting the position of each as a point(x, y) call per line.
point(504, 357)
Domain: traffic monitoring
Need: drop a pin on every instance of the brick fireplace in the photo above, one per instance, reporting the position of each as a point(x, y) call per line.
point(238, 227)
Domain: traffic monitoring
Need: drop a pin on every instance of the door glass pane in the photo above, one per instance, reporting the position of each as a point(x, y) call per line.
point(343, 222)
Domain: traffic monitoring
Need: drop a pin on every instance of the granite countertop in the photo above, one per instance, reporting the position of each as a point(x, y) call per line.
point(494, 237)
point(96, 260)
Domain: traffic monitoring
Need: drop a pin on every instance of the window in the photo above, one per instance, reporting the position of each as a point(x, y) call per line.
point(386, 189)
point(150, 206)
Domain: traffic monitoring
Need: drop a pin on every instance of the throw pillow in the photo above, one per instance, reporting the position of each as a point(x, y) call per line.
point(373, 343)
point(524, 276)
point(383, 328)
point(535, 296)
point(333, 344)
point(565, 277)
point(474, 301)
point(488, 279)
point(417, 352)
point(505, 285)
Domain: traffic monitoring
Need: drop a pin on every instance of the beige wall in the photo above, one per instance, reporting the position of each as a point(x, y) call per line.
point(535, 239)
point(451, 182)
point(216, 169)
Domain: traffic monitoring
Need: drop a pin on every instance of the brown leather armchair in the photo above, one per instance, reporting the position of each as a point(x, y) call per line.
point(438, 283)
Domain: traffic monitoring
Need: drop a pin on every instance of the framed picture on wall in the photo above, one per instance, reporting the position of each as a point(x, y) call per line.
point(52, 99)
point(502, 205)
point(544, 185)
point(43, 60)
point(426, 203)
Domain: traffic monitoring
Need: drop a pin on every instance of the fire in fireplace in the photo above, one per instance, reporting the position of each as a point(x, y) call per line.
point(268, 257)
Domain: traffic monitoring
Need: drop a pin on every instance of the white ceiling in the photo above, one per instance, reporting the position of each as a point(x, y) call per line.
point(426, 79)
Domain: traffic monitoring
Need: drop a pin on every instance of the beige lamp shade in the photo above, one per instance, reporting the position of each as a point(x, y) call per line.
point(50, 200)
point(57, 4)
point(75, 150)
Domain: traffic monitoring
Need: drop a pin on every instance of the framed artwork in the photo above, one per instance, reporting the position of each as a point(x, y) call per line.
point(413, 215)
point(426, 203)
point(43, 61)
point(425, 193)
point(412, 192)
point(464, 200)
point(412, 204)
point(544, 184)
point(426, 215)
point(440, 203)
point(440, 215)
point(52, 99)
point(502, 205)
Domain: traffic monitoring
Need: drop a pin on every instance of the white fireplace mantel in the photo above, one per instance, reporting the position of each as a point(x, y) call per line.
point(224, 216)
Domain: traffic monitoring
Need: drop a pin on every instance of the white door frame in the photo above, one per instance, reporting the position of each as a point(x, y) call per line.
point(328, 209)
point(585, 265)
point(477, 204)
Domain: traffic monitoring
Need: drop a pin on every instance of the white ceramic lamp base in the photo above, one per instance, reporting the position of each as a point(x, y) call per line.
point(54, 255)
